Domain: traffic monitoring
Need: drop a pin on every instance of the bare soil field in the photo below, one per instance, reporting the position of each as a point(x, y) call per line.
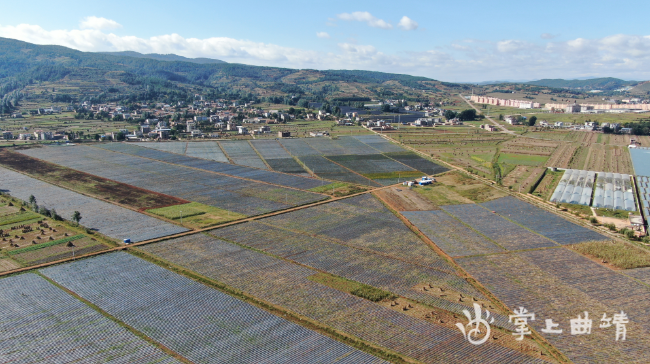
point(404, 199)
point(102, 188)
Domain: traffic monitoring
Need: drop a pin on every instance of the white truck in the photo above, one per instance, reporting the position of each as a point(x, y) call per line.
point(426, 181)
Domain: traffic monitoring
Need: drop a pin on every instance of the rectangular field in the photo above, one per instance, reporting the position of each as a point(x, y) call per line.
point(287, 284)
point(222, 191)
point(451, 235)
point(545, 223)
point(416, 162)
point(137, 198)
point(390, 274)
point(380, 144)
point(200, 323)
point(559, 284)
point(40, 323)
point(365, 223)
point(110, 220)
point(325, 168)
point(206, 150)
point(242, 153)
point(506, 234)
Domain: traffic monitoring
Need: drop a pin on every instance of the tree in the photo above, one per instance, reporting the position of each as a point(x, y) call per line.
point(385, 108)
point(450, 114)
point(532, 120)
point(96, 136)
point(32, 200)
point(500, 116)
point(467, 115)
point(76, 216)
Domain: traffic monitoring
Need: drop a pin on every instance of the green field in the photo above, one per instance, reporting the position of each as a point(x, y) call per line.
point(196, 215)
point(522, 159)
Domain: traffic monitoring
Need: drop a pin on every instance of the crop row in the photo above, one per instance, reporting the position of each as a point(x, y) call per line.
point(241, 152)
point(242, 196)
point(286, 284)
point(205, 150)
point(270, 149)
point(370, 163)
point(286, 165)
point(325, 168)
point(40, 323)
point(542, 222)
point(418, 163)
point(373, 269)
point(505, 233)
point(228, 169)
point(202, 324)
point(379, 143)
point(451, 235)
point(362, 222)
point(559, 284)
point(110, 220)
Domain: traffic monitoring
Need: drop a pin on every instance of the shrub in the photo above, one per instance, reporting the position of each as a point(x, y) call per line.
point(593, 220)
point(371, 293)
point(619, 254)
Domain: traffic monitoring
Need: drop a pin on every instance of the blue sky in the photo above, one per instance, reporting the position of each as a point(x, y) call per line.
point(467, 41)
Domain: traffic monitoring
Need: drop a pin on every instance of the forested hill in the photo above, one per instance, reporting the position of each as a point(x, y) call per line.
point(24, 63)
point(606, 83)
point(165, 57)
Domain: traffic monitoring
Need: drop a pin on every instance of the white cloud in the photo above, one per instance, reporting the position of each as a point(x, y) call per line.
point(407, 23)
point(620, 55)
point(323, 35)
point(93, 22)
point(511, 46)
point(364, 16)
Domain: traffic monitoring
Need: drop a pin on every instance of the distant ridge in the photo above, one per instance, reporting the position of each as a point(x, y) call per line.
point(165, 57)
point(605, 83)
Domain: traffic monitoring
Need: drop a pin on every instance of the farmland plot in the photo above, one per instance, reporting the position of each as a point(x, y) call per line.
point(325, 146)
point(362, 222)
point(376, 270)
point(206, 150)
point(379, 143)
point(287, 165)
point(201, 324)
point(224, 168)
point(506, 234)
point(327, 169)
point(241, 152)
point(354, 146)
point(172, 147)
point(228, 193)
point(371, 164)
point(416, 162)
point(451, 235)
point(286, 284)
point(40, 323)
point(110, 220)
point(559, 284)
point(298, 147)
point(270, 149)
point(542, 222)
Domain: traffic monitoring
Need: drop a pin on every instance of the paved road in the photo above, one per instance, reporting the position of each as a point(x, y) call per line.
point(503, 128)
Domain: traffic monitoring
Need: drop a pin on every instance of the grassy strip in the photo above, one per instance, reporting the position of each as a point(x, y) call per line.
point(388, 175)
point(48, 244)
point(339, 189)
point(345, 285)
point(618, 214)
point(137, 333)
point(24, 216)
point(304, 321)
point(618, 254)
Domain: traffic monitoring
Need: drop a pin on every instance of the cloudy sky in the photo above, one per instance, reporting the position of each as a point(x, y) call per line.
point(469, 41)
